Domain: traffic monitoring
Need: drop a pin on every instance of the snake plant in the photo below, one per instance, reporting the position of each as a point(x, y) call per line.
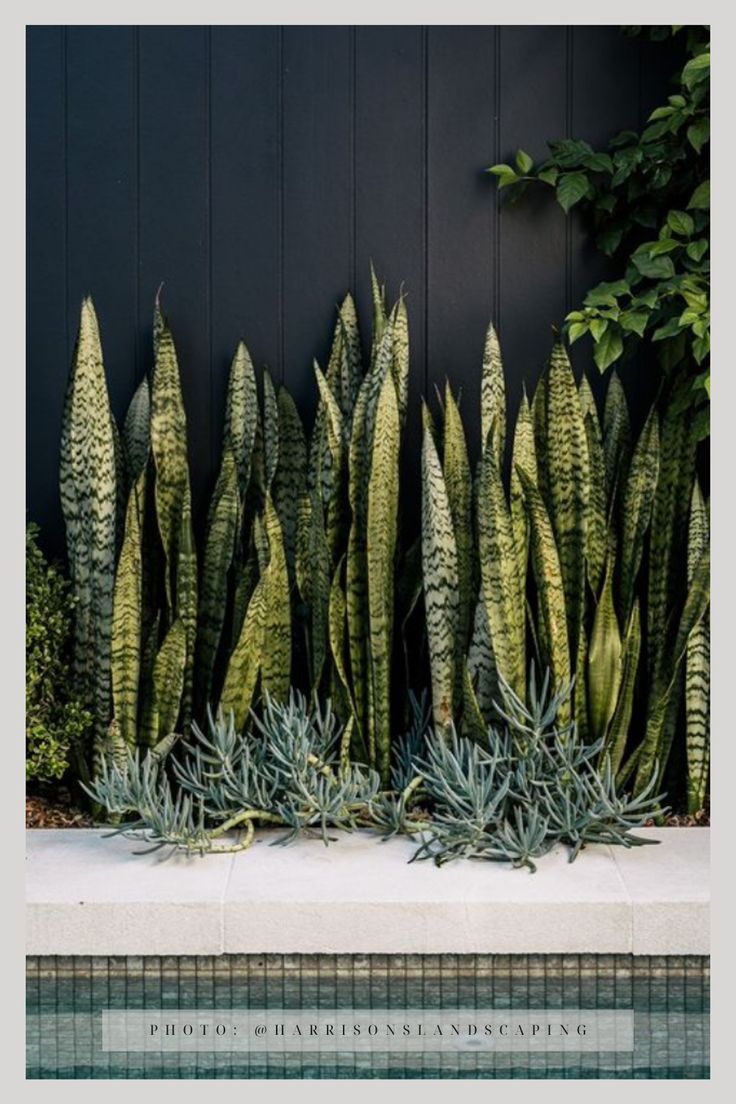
point(590, 521)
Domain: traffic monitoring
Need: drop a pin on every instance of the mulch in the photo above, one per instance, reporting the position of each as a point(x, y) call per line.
point(43, 812)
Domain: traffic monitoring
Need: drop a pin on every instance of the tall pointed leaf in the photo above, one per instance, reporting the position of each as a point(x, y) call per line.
point(441, 584)
point(493, 394)
point(636, 508)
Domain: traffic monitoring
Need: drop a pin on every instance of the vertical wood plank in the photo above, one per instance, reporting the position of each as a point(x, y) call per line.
point(46, 324)
point(174, 149)
point(317, 198)
point(246, 202)
point(102, 194)
point(460, 215)
point(532, 236)
point(390, 198)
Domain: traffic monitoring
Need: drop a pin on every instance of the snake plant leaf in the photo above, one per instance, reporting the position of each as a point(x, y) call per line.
point(276, 656)
point(524, 456)
point(246, 575)
point(493, 394)
point(168, 678)
point(669, 525)
point(186, 602)
point(337, 617)
point(378, 297)
point(121, 489)
point(501, 584)
point(88, 488)
point(697, 668)
point(618, 731)
point(159, 321)
point(441, 585)
point(605, 661)
point(351, 359)
point(580, 706)
point(568, 465)
point(382, 520)
point(636, 508)
point(270, 429)
point(539, 424)
point(137, 432)
point(313, 578)
point(148, 723)
point(241, 415)
point(222, 535)
point(548, 576)
point(616, 436)
point(474, 725)
point(663, 698)
point(596, 537)
point(588, 404)
point(169, 445)
point(243, 669)
point(458, 484)
point(125, 656)
point(400, 359)
point(290, 479)
point(359, 467)
point(480, 664)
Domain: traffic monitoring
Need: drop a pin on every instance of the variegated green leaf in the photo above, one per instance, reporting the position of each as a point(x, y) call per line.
point(400, 360)
point(588, 404)
point(548, 577)
point(668, 540)
point(616, 436)
point(458, 482)
point(441, 585)
point(524, 456)
point(169, 445)
point(241, 415)
point(270, 429)
point(186, 603)
point(137, 432)
point(88, 487)
point(222, 535)
point(663, 697)
point(493, 394)
point(568, 466)
point(618, 732)
point(276, 658)
point(382, 518)
point(604, 661)
point(501, 585)
point(480, 664)
point(241, 677)
point(290, 478)
point(596, 535)
point(168, 679)
point(636, 508)
point(697, 668)
point(313, 578)
point(125, 659)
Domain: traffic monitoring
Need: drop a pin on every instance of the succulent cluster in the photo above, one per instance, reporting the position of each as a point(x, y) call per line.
point(532, 783)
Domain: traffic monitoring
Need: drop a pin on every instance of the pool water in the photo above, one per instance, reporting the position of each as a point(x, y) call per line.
point(669, 997)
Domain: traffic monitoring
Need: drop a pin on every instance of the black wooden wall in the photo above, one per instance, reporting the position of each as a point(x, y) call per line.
point(255, 170)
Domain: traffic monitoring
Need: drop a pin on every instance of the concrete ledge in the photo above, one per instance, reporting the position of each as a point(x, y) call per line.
point(93, 896)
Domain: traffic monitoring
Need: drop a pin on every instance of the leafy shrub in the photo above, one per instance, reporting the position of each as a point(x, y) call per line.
point(56, 721)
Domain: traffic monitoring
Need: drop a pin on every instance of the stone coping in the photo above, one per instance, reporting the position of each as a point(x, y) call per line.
point(87, 895)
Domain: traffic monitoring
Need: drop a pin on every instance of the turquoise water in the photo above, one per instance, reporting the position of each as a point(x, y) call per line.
point(669, 998)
